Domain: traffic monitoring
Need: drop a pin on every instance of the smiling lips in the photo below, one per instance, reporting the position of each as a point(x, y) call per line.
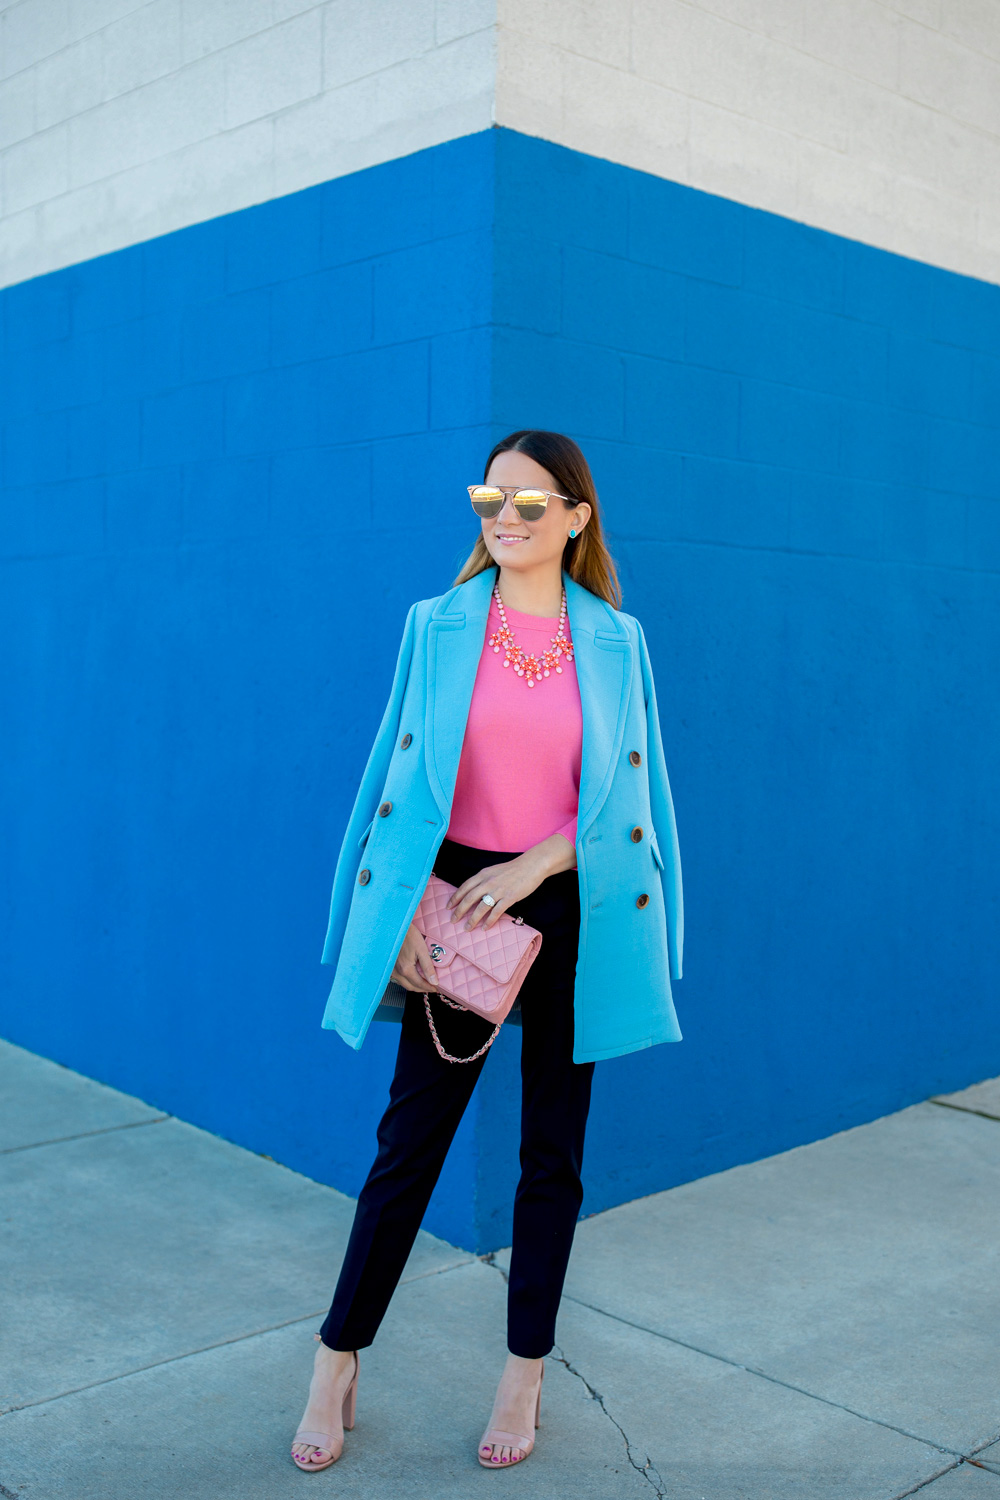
point(507, 540)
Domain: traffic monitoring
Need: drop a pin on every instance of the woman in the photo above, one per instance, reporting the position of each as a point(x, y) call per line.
point(535, 784)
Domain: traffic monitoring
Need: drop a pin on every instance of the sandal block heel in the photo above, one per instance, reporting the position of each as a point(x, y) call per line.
point(350, 1403)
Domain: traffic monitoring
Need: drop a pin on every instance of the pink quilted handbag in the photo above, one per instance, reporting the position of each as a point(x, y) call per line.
point(477, 970)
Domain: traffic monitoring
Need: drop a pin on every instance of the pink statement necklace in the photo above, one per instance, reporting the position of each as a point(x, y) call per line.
point(525, 663)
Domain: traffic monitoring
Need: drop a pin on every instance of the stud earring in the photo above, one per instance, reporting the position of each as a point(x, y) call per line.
point(572, 531)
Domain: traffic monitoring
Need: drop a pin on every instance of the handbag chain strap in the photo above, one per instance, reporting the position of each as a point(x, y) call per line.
point(437, 1040)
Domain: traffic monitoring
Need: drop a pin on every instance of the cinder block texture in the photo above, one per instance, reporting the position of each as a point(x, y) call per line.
point(233, 457)
point(805, 497)
point(878, 121)
point(213, 446)
point(120, 122)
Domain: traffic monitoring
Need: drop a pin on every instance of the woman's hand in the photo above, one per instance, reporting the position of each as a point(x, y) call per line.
point(511, 881)
point(414, 967)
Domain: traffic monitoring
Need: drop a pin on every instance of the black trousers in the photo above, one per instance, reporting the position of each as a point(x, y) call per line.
point(427, 1099)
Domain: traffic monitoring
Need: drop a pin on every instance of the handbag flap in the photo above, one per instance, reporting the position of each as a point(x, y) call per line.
point(497, 951)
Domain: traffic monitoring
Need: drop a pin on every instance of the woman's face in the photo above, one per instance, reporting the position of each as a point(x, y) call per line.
point(515, 543)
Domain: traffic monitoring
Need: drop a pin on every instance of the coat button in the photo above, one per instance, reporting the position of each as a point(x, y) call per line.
point(642, 900)
point(636, 835)
point(406, 742)
point(385, 809)
point(364, 877)
point(635, 757)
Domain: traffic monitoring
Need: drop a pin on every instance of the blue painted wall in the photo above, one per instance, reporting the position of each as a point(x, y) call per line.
point(211, 441)
point(232, 457)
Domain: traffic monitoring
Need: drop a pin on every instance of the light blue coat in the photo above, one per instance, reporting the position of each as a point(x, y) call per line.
point(628, 953)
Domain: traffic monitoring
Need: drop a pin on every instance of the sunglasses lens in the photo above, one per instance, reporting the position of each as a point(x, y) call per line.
point(486, 502)
point(530, 504)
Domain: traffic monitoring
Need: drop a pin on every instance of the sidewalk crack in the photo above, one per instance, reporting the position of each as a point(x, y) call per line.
point(490, 1259)
point(647, 1469)
point(453, 1265)
point(764, 1375)
point(923, 1483)
point(237, 1338)
point(965, 1109)
point(84, 1135)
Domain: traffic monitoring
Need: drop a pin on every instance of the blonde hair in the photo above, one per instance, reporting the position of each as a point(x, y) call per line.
point(586, 558)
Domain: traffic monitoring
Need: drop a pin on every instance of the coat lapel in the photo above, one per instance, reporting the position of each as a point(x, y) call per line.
point(603, 657)
point(455, 635)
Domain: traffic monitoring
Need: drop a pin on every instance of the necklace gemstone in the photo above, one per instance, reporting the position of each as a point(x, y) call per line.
point(533, 668)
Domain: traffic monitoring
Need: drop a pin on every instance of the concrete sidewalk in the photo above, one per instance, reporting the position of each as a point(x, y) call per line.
point(820, 1324)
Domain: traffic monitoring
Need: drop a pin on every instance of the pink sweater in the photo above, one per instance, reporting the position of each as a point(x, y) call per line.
point(519, 774)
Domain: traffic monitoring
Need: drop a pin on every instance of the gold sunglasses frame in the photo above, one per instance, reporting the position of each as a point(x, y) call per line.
point(509, 491)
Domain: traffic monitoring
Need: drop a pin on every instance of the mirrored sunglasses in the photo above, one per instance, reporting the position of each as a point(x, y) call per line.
point(487, 500)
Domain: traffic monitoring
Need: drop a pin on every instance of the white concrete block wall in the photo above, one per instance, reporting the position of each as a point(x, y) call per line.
point(120, 120)
point(877, 119)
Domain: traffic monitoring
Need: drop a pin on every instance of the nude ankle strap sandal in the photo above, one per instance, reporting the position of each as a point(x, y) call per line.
point(326, 1440)
point(497, 1438)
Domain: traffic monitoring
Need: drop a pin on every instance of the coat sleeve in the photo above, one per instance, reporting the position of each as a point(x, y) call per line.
point(664, 821)
point(366, 802)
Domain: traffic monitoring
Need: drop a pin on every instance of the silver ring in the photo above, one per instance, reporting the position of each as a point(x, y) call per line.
point(488, 900)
